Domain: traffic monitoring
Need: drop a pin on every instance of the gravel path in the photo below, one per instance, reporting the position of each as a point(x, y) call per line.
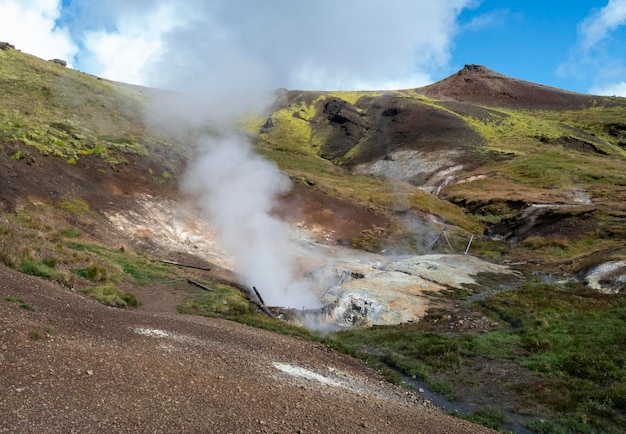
point(69, 364)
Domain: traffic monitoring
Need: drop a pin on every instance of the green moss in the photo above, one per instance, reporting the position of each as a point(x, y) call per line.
point(131, 266)
point(112, 296)
point(71, 233)
point(353, 97)
point(572, 341)
point(40, 268)
point(449, 212)
point(73, 206)
point(293, 133)
point(221, 300)
point(491, 417)
point(66, 113)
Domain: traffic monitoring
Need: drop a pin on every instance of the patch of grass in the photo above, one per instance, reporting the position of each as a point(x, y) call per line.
point(221, 301)
point(112, 296)
point(491, 417)
point(408, 349)
point(138, 268)
point(73, 206)
point(41, 268)
point(41, 333)
point(572, 333)
point(488, 248)
point(67, 114)
point(17, 241)
point(23, 304)
point(491, 218)
point(558, 250)
point(71, 233)
point(449, 212)
point(545, 170)
point(12, 299)
point(228, 302)
point(123, 144)
point(569, 339)
point(335, 181)
point(27, 306)
point(273, 324)
point(94, 273)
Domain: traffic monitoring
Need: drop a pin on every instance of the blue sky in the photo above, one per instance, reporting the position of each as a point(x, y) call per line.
point(249, 45)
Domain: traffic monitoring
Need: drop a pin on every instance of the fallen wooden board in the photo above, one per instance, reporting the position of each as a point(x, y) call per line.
point(199, 285)
point(178, 264)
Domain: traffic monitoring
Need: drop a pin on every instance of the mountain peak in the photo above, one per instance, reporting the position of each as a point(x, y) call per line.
point(472, 68)
point(478, 84)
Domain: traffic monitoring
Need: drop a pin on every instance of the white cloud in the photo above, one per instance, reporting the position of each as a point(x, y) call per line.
point(598, 25)
point(245, 43)
point(598, 56)
point(31, 25)
point(494, 19)
point(125, 51)
point(611, 89)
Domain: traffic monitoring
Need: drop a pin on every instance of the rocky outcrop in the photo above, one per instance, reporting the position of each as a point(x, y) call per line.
point(59, 62)
point(345, 128)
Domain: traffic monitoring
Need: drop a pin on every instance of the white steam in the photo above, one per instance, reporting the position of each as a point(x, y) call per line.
point(237, 189)
point(223, 58)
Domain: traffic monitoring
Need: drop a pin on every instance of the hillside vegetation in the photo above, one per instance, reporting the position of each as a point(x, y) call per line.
point(491, 162)
point(534, 176)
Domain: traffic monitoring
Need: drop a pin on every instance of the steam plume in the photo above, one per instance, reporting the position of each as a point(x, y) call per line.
point(237, 190)
point(224, 58)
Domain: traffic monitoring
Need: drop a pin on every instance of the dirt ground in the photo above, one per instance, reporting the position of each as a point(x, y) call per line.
point(69, 364)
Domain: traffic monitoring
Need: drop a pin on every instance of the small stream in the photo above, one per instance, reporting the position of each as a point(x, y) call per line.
point(516, 424)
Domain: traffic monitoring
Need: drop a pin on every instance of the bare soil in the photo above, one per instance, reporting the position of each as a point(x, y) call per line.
point(480, 85)
point(69, 364)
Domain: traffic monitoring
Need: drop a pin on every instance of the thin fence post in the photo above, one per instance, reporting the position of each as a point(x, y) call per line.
point(469, 244)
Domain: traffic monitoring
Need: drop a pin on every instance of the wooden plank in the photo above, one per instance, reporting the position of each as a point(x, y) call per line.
point(178, 264)
point(199, 285)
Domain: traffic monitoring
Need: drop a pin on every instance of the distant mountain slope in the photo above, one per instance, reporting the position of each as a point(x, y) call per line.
point(490, 144)
point(67, 133)
point(469, 119)
point(480, 85)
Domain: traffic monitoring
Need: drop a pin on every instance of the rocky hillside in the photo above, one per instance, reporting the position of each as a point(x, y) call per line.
point(493, 155)
point(529, 180)
point(537, 167)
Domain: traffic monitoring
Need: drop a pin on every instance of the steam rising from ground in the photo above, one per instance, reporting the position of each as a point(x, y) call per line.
point(237, 189)
point(224, 58)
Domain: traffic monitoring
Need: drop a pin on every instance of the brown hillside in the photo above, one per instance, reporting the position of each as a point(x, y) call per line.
point(70, 364)
point(480, 85)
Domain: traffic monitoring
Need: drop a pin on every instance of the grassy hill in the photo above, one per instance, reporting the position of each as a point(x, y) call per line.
point(536, 175)
point(484, 159)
